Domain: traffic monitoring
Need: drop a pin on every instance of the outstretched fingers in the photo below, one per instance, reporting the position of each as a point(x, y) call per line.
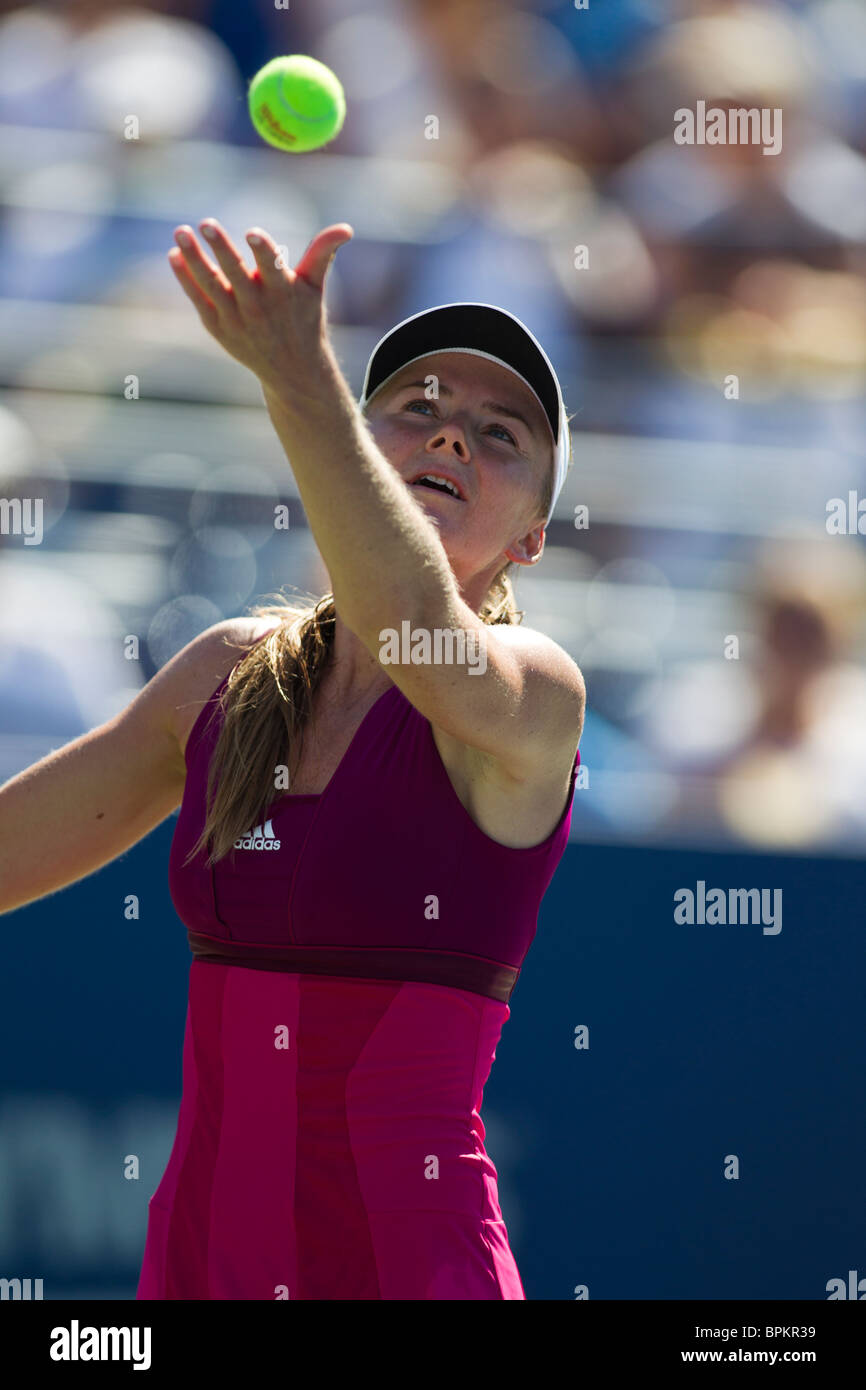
point(245, 284)
point(262, 315)
point(313, 266)
point(209, 277)
point(207, 310)
point(270, 258)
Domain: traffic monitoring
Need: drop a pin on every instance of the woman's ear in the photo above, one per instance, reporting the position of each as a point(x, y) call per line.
point(529, 549)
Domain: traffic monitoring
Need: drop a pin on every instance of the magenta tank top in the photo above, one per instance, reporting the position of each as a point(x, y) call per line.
point(383, 875)
point(352, 962)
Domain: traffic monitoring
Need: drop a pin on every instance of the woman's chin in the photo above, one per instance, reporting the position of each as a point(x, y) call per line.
point(440, 503)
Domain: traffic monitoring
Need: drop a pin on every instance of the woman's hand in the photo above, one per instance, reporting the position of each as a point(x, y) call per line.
point(270, 318)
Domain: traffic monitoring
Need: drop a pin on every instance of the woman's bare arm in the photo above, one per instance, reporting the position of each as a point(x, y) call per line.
point(386, 560)
point(84, 804)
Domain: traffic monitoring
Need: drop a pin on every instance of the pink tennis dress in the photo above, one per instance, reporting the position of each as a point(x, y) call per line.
point(352, 964)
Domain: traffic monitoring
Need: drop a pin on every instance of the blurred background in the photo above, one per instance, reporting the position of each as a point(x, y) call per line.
point(705, 308)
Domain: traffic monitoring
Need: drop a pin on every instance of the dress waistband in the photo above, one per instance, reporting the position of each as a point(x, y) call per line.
point(473, 973)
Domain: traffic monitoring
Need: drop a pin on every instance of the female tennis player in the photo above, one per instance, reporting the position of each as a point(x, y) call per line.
point(366, 828)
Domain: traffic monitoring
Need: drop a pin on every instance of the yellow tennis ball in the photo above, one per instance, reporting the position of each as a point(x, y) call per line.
point(296, 103)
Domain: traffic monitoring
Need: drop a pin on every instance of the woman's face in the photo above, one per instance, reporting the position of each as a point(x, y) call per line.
point(456, 415)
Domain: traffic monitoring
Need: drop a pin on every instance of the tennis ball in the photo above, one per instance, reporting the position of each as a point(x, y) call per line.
point(296, 103)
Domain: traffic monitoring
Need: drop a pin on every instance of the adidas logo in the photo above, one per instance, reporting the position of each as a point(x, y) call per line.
point(261, 837)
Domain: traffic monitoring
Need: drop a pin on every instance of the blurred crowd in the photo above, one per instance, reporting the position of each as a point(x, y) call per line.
point(712, 293)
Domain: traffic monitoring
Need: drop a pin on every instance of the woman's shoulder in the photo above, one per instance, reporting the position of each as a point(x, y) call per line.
point(199, 668)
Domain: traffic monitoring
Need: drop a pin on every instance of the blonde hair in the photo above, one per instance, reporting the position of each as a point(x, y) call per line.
point(267, 703)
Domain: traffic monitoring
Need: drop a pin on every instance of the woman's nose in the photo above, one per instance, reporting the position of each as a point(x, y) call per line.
point(451, 436)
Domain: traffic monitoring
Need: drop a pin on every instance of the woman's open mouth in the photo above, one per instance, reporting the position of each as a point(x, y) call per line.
point(437, 482)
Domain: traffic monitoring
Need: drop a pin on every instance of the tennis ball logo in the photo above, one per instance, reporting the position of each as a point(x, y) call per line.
point(296, 103)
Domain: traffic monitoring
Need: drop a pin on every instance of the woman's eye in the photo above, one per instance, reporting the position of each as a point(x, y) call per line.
point(423, 401)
